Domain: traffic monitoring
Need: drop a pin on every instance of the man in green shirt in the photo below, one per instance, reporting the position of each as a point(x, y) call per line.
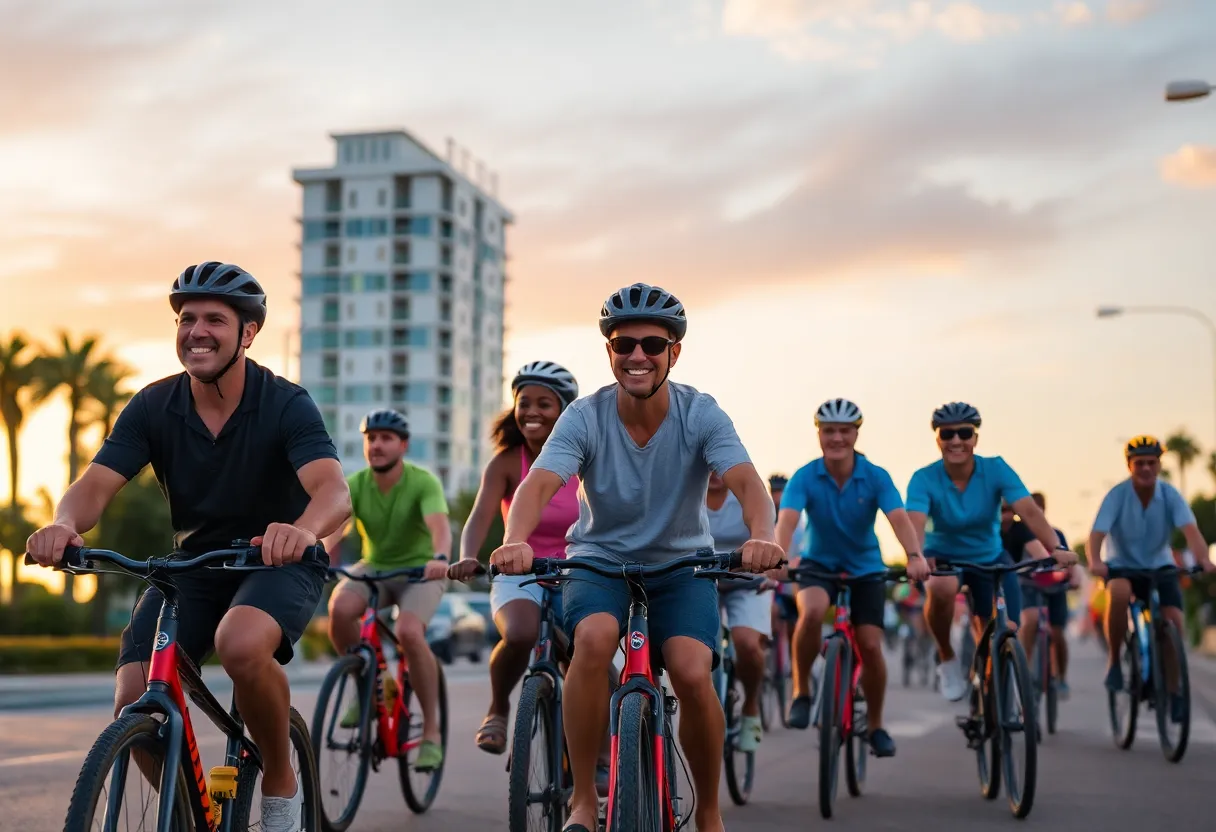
point(402, 518)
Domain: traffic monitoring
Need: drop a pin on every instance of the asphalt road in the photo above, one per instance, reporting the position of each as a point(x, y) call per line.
point(1084, 782)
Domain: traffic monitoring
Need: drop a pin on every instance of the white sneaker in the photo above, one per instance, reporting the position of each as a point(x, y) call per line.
point(954, 685)
point(750, 730)
point(283, 814)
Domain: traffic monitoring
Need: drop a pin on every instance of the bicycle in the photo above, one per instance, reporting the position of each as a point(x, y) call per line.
point(1046, 685)
point(740, 774)
point(991, 723)
point(778, 679)
point(839, 706)
point(157, 726)
point(917, 650)
point(642, 789)
point(1143, 671)
point(390, 726)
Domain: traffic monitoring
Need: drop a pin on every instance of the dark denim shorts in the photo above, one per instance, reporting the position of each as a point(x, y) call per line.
point(678, 605)
point(982, 586)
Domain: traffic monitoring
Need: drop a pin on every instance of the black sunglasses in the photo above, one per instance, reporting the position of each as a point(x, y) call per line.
point(965, 434)
point(652, 345)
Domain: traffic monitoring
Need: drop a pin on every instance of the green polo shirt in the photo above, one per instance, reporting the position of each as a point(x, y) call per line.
point(391, 525)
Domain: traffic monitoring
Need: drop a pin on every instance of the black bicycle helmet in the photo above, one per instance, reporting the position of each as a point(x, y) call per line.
point(956, 413)
point(547, 374)
point(224, 282)
point(643, 302)
point(389, 420)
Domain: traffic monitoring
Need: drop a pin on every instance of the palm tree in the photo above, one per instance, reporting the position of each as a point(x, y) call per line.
point(16, 377)
point(71, 368)
point(1183, 446)
point(106, 392)
point(1212, 464)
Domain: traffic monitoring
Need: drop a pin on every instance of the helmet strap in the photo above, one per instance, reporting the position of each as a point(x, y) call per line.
point(663, 380)
point(236, 353)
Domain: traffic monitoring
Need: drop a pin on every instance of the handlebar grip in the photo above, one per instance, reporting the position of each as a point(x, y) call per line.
point(73, 556)
point(735, 560)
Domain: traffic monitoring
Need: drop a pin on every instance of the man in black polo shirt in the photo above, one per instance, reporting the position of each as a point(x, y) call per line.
point(240, 454)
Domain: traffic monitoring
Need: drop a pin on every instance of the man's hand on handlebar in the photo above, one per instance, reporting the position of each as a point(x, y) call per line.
point(512, 558)
point(918, 569)
point(47, 544)
point(283, 543)
point(761, 556)
point(465, 569)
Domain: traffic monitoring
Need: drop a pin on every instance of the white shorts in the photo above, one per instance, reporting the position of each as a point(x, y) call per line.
point(506, 588)
point(744, 608)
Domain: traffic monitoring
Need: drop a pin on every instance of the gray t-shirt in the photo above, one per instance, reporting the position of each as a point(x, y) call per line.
point(641, 504)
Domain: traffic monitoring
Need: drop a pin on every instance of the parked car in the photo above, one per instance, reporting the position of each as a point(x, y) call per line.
point(456, 629)
point(480, 601)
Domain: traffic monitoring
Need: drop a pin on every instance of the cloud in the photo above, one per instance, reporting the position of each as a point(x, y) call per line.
point(1073, 13)
point(1129, 11)
point(1191, 166)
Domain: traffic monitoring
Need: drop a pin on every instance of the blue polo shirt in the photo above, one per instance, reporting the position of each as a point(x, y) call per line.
point(841, 519)
point(1139, 537)
point(965, 525)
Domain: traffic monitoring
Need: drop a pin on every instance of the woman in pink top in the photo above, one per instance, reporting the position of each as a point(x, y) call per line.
point(541, 390)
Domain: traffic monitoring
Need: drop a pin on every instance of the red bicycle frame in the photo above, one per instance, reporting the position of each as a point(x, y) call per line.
point(389, 721)
point(843, 628)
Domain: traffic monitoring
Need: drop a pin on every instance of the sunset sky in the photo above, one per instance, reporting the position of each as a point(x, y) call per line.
point(899, 202)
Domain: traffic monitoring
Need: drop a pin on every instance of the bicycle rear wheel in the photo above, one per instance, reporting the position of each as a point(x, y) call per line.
point(1174, 747)
point(535, 800)
point(112, 751)
point(984, 710)
point(635, 805)
point(420, 787)
point(832, 701)
point(1124, 705)
point(740, 765)
point(343, 755)
point(856, 746)
point(1016, 721)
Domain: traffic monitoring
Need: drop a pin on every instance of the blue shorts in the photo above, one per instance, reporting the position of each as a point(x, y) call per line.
point(678, 605)
point(982, 587)
point(1057, 604)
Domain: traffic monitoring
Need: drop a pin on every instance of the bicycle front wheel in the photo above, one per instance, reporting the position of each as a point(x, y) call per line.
point(343, 755)
point(1173, 732)
point(420, 787)
point(831, 733)
point(131, 745)
point(1124, 705)
point(535, 799)
point(1017, 727)
point(740, 765)
point(635, 805)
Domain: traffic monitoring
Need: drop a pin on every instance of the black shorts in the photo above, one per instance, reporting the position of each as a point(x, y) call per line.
point(1057, 604)
point(867, 600)
point(289, 594)
point(1169, 588)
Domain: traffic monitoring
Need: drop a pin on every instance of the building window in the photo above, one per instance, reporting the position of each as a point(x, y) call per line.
point(352, 448)
point(420, 226)
point(397, 393)
point(329, 312)
point(320, 284)
point(319, 339)
point(445, 339)
point(384, 149)
point(401, 192)
point(418, 449)
point(363, 337)
point(401, 309)
point(445, 282)
point(326, 394)
point(329, 366)
point(445, 394)
point(443, 451)
point(401, 253)
point(445, 366)
point(333, 256)
point(417, 394)
point(401, 364)
point(418, 337)
point(320, 230)
point(361, 151)
point(361, 393)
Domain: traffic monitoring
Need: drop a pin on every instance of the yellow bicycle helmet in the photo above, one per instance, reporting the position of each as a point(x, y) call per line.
point(1143, 445)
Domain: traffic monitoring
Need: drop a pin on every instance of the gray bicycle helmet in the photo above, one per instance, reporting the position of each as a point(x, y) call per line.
point(838, 412)
point(224, 282)
point(643, 302)
point(547, 374)
point(956, 413)
point(389, 420)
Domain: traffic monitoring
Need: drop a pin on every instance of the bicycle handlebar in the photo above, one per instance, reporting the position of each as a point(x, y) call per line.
point(709, 564)
point(1158, 572)
point(1047, 564)
point(241, 557)
point(889, 574)
point(414, 573)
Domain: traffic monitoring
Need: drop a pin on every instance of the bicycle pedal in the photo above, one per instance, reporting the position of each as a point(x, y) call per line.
point(221, 782)
point(671, 705)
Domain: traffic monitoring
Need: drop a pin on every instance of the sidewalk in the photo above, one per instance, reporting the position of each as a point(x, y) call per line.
point(60, 690)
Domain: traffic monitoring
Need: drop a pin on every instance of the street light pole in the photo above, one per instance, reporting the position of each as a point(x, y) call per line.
point(1186, 311)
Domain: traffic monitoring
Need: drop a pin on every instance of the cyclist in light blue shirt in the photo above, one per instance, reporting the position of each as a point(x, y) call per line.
point(1139, 515)
point(961, 495)
point(842, 493)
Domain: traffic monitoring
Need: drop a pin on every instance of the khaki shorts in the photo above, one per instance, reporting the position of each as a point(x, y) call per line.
point(418, 599)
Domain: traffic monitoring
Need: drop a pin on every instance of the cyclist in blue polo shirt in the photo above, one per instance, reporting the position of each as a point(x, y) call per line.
point(842, 492)
point(1139, 515)
point(961, 495)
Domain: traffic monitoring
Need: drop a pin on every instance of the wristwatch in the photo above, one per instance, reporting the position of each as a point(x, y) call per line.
point(442, 557)
point(915, 555)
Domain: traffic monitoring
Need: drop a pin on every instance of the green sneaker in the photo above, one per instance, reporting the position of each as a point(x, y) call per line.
point(350, 719)
point(430, 756)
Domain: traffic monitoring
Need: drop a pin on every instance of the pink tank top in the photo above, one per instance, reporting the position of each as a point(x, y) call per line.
point(549, 539)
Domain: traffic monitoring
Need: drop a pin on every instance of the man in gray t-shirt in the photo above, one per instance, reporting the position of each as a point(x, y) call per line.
point(643, 450)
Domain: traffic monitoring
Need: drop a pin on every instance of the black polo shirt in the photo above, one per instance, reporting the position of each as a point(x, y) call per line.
point(227, 487)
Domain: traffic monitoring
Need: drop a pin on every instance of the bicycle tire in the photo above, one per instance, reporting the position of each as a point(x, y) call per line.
point(832, 697)
point(988, 754)
point(420, 801)
point(1124, 730)
point(246, 784)
point(94, 774)
point(1020, 790)
point(738, 782)
point(635, 806)
point(1053, 705)
point(353, 666)
point(533, 717)
point(856, 746)
point(1173, 752)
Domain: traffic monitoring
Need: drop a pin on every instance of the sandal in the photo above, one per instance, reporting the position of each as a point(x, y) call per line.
point(492, 735)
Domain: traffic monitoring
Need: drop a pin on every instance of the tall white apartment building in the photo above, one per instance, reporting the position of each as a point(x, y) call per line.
point(402, 271)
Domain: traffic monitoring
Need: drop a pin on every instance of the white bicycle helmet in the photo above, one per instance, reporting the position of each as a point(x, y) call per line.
point(838, 412)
